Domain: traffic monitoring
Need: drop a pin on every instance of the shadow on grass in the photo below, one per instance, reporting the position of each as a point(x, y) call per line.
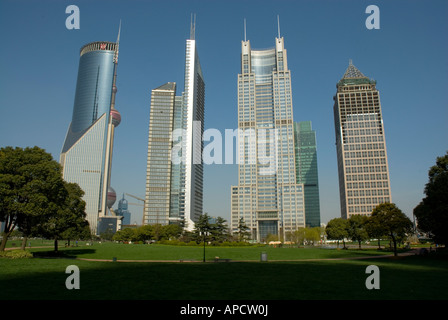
point(66, 253)
point(408, 278)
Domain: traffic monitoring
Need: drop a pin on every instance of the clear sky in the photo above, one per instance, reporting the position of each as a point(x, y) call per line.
point(408, 56)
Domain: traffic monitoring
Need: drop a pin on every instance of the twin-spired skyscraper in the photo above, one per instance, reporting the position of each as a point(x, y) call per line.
point(268, 198)
point(174, 174)
point(86, 155)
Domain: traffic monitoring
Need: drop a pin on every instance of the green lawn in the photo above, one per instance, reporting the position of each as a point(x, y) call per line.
point(408, 278)
point(108, 251)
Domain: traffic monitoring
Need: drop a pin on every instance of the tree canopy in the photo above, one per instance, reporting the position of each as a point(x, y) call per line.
point(432, 211)
point(337, 229)
point(32, 191)
point(394, 223)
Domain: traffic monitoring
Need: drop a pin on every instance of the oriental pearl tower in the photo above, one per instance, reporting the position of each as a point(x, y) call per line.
point(108, 193)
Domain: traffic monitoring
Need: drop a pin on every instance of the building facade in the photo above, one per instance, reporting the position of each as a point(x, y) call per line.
point(86, 155)
point(307, 171)
point(361, 145)
point(158, 172)
point(174, 184)
point(267, 198)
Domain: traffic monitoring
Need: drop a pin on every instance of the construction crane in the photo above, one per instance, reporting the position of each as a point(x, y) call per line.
point(135, 197)
point(143, 205)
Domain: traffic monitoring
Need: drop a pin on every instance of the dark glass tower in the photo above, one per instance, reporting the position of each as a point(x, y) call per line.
point(306, 170)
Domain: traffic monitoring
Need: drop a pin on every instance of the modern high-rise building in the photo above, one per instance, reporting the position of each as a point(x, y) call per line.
point(268, 197)
point(86, 155)
point(174, 183)
point(306, 170)
point(123, 211)
point(360, 144)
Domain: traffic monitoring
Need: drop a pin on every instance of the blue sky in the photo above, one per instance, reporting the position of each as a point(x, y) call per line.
point(408, 56)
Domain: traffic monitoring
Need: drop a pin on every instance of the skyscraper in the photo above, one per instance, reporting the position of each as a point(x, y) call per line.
point(86, 155)
point(360, 144)
point(175, 148)
point(159, 162)
point(267, 198)
point(306, 170)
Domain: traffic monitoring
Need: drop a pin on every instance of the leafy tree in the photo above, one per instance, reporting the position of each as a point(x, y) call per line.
point(396, 225)
point(69, 219)
point(375, 230)
point(357, 228)
point(124, 235)
point(432, 211)
point(336, 229)
point(202, 228)
point(219, 230)
point(31, 189)
point(243, 230)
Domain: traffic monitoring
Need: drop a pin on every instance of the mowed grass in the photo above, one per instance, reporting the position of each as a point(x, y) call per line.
point(407, 278)
point(108, 251)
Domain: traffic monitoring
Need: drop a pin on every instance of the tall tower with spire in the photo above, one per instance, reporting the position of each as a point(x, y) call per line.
point(361, 144)
point(174, 188)
point(86, 156)
point(268, 198)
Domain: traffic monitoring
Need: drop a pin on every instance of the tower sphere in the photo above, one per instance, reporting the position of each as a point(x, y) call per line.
point(111, 197)
point(116, 117)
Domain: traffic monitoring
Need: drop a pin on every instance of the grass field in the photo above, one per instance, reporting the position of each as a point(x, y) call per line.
point(289, 274)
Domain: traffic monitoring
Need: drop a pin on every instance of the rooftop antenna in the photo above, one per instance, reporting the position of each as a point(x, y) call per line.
point(278, 23)
point(192, 26)
point(244, 29)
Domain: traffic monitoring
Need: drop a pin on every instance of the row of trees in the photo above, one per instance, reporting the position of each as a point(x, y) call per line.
point(387, 221)
point(35, 199)
point(204, 230)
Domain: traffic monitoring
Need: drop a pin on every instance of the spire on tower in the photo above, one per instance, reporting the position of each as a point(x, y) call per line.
point(278, 25)
point(244, 29)
point(192, 26)
point(352, 71)
point(117, 44)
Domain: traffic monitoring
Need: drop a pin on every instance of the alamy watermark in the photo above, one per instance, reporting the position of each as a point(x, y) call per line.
point(254, 146)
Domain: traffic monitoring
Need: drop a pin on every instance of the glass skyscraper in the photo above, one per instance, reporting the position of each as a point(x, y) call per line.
point(306, 170)
point(87, 151)
point(268, 197)
point(360, 144)
point(174, 183)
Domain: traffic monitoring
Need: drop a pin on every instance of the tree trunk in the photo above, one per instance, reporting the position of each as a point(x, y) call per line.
point(379, 243)
point(55, 245)
point(9, 227)
point(4, 240)
point(395, 245)
point(24, 243)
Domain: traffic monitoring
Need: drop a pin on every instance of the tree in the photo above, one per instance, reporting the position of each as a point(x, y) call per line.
point(336, 229)
point(219, 230)
point(375, 230)
point(432, 211)
point(357, 228)
point(202, 228)
point(243, 230)
point(69, 219)
point(31, 189)
point(396, 225)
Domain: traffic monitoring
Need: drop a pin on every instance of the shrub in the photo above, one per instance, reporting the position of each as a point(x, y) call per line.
point(16, 254)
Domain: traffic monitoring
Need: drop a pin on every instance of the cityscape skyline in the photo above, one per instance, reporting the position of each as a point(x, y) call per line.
point(406, 51)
